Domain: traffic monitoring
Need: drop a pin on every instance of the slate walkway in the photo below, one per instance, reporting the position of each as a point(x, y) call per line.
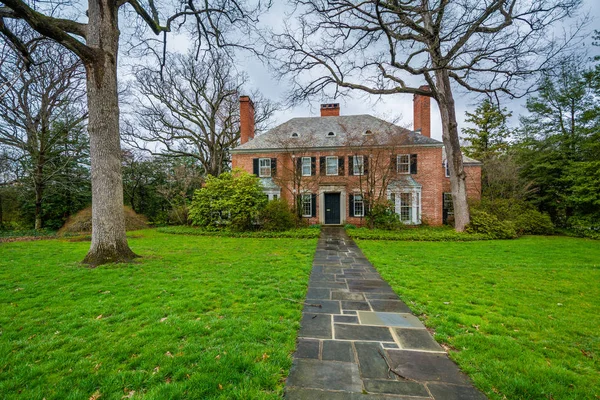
point(351, 321)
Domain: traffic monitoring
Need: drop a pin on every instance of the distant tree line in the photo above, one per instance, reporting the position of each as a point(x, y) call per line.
point(552, 159)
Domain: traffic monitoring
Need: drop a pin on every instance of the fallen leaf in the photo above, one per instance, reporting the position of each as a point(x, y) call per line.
point(129, 395)
point(168, 354)
point(97, 366)
point(99, 316)
point(163, 319)
point(218, 357)
point(265, 356)
point(96, 395)
point(446, 302)
point(220, 387)
point(559, 304)
point(156, 369)
point(18, 289)
point(168, 379)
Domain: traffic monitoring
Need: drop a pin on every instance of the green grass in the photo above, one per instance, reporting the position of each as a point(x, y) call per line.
point(300, 233)
point(424, 233)
point(196, 317)
point(523, 315)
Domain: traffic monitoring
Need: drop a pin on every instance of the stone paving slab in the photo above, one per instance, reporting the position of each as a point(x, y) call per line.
point(359, 341)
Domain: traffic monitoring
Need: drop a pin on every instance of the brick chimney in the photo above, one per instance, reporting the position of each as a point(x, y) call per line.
point(246, 119)
point(330, 110)
point(422, 113)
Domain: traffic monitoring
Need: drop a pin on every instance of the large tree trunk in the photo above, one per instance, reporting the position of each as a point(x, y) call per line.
point(458, 183)
point(39, 192)
point(109, 243)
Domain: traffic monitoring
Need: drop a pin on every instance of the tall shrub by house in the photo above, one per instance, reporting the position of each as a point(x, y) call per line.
point(232, 199)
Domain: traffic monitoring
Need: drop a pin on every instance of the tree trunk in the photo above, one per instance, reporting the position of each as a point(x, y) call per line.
point(453, 153)
point(39, 192)
point(109, 242)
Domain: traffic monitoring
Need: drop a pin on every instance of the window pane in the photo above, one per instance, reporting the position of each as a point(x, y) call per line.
point(265, 167)
point(306, 166)
point(332, 165)
point(359, 166)
point(405, 206)
point(403, 163)
point(306, 205)
point(359, 206)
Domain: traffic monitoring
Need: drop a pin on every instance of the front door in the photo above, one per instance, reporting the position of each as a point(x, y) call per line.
point(332, 208)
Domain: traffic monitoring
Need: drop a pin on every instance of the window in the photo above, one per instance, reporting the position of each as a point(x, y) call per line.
point(359, 206)
point(272, 194)
point(403, 163)
point(331, 134)
point(368, 132)
point(407, 204)
point(307, 205)
point(331, 166)
point(295, 135)
point(447, 169)
point(359, 165)
point(306, 166)
point(405, 207)
point(264, 165)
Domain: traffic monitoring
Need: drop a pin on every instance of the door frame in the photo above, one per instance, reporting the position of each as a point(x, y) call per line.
point(343, 200)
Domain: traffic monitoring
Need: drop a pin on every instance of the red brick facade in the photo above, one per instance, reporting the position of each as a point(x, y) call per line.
point(420, 182)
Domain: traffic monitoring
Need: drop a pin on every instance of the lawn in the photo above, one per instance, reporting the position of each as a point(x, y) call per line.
point(522, 317)
point(196, 317)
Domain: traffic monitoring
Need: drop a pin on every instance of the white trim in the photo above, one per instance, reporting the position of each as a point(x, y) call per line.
point(272, 194)
point(309, 166)
point(407, 163)
point(302, 197)
point(358, 171)
point(260, 167)
point(415, 204)
point(343, 202)
point(362, 201)
point(337, 165)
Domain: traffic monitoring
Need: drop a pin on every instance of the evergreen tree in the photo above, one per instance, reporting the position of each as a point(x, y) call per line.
point(489, 136)
point(558, 144)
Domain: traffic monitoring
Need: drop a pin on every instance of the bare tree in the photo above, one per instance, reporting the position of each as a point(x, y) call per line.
point(96, 43)
point(191, 109)
point(382, 47)
point(33, 103)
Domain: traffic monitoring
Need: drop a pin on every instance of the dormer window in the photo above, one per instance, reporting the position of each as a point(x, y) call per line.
point(295, 135)
point(368, 132)
point(330, 134)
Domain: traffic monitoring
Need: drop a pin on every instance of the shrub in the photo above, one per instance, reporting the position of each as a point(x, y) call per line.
point(179, 215)
point(81, 223)
point(525, 218)
point(383, 216)
point(277, 216)
point(233, 199)
point(488, 224)
point(587, 227)
point(302, 233)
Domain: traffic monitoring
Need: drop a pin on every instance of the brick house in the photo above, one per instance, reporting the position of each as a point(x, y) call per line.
point(334, 166)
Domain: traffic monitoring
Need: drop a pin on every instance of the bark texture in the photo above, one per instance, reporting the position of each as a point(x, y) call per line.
point(458, 183)
point(109, 242)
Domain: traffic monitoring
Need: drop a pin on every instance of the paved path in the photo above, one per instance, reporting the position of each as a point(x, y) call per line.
point(354, 326)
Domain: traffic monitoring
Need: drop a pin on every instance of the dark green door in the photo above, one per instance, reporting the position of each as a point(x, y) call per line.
point(332, 208)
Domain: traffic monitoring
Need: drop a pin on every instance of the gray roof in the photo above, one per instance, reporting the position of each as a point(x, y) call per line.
point(466, 160)
point(348, 130)
point(403, 182)
point(269, 184)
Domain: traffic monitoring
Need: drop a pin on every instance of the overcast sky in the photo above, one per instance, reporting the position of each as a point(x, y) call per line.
point(386, 107)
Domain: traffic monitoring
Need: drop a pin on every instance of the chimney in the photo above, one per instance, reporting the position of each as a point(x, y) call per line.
point(422, 113)
point(246, 119)
point(330, 110)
